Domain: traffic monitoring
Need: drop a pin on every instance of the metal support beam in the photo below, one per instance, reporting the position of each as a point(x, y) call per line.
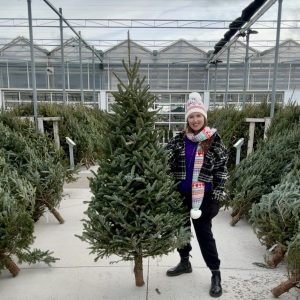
point(227, 76)
point(242, 31)
point(206, 24)
point(69, 25)
point(246, 69)
point(80, 75)
point(33, 78)
point(94, 78)
point(62, 57)
point(276, 59)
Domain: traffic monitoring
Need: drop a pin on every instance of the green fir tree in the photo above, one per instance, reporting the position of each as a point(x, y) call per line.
point(16, 223)
point(257, 174)
point(136, 211)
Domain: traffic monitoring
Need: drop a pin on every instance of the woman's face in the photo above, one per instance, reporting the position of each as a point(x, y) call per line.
point(196, 121)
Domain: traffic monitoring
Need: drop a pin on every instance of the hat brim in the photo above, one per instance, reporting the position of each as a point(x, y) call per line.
point(196, 110)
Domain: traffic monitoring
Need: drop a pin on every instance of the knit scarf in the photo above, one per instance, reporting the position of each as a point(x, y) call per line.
point(198, 187)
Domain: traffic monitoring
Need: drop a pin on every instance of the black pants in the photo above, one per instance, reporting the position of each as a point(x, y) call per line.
point(203, 231)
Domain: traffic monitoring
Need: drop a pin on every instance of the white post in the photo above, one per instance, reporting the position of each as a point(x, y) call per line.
point(238, 146)
point(251, 138)
point(71, 153)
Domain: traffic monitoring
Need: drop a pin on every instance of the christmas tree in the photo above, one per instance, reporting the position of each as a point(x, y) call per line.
point(293, 259)
point(257, 174)
point(34, 156)
point(136, 211)
point(16, 223)
point(276, 217)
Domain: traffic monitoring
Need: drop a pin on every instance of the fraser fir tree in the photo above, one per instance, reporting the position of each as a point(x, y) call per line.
point(16, 223)
point(34, 157)
point(256, 175)
point(293, 259)
point(276, 217)
point(135, 211)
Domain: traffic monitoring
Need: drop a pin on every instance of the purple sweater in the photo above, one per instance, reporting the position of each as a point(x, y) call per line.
point(185, 186)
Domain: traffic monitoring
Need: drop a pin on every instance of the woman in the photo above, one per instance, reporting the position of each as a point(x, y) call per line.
point(198, 160)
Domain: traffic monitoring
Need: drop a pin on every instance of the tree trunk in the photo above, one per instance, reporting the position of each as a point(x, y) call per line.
point(237, 217)
point(276, 256)
point(10, 265)
point(285, 286)
point(234, 212)
point(55, 213)
point(138, 270)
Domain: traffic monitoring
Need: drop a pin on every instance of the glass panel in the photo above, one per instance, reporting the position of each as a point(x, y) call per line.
point(3, 75)
point(260, 97)
point(11, 95)
point(220, 98)
point(177, 107)
point(232, 98)
point(88, 97)
point(43, 96)
point(57, 97)
point(163, 98)
point(177, 117)
point(162, 107)
point(177, 127)
point(74, 97)
point(279, 97)
point(162, 118)
point(26, 96)
point(178, 98)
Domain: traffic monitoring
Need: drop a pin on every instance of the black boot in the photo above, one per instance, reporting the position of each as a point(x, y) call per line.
point(183, 267)
point(216, 288)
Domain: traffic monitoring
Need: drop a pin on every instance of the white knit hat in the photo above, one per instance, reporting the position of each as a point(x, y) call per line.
point(195, 104)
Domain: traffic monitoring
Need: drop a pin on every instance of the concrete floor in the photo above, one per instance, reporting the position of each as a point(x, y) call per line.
point(77, 276)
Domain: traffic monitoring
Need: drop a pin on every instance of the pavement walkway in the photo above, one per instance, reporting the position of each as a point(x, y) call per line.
point(77, 277)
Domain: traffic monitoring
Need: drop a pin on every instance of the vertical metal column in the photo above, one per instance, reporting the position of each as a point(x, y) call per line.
point(188, 77)
point(68, 74)
point(62, 57)
point(33, 79)
point(208, 79)
point(289, 80)
point(215, 93)
point(7, 72)
point(94, 76)
point(227, 76)
point(168, 83)
point(246, 69)
point(276, 59)
point(81, 76)
point(148, 74)
point(27, 72)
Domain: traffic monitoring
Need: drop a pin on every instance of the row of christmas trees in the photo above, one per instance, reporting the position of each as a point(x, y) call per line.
point(31, 181)
point(265, 188)
point(33, 172)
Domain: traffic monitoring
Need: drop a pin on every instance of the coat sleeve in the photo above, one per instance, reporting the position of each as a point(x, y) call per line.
point(220, 172)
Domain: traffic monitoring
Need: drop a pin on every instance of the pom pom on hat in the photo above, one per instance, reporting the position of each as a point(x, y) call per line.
point(195, 104)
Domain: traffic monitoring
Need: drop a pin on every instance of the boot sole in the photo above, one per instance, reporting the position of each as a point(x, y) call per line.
point(177, 274)
point(216, 295)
